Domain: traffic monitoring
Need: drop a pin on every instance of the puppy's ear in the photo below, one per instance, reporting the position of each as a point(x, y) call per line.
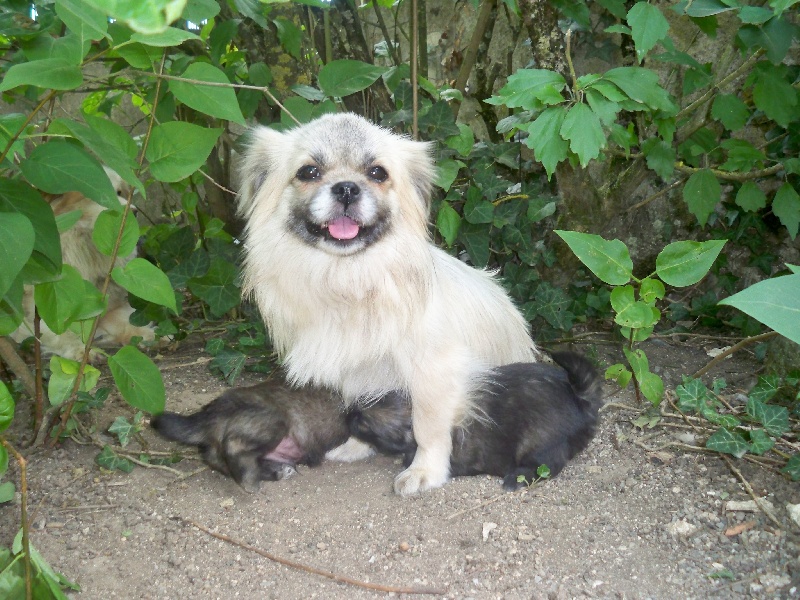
point(262, 158)
point(419, 163)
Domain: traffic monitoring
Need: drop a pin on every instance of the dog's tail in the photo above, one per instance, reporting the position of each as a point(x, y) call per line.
point(185, 429)
point(583, 378)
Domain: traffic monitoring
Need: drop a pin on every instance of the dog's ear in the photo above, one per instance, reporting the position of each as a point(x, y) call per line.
point(419, 164)
point(262, 157)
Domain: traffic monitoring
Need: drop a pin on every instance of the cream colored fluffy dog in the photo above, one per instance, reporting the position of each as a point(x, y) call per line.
point(79, 251)
point(356, 297)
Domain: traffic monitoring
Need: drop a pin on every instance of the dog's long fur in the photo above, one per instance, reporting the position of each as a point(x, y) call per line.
point(356, 297)
point(261, 432)
point(79, 251)
point(533, 414)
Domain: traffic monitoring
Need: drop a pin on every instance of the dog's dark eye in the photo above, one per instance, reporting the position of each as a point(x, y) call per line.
point(309, 173)
point(378, 174)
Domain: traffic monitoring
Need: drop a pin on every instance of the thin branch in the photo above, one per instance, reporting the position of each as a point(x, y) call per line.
point(18, 367)
point(655, 196)
point(745, 342)
point(759, 501)
point(23, 485)
point(733, 176)
point(313, 570)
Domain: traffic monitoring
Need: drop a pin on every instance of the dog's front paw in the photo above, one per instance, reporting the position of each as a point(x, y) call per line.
point(418, 479)
point(351, 451)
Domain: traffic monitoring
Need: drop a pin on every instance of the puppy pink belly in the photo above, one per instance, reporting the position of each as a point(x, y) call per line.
point(287, 451)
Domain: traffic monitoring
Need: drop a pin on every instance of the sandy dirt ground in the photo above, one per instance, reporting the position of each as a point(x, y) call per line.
point(619, 522)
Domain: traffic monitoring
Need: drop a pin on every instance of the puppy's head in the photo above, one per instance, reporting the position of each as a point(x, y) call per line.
point(338, 183)
point(385, 424)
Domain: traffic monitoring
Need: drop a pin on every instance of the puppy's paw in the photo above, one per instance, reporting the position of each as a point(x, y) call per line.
point(418, 479)
point(351, 451)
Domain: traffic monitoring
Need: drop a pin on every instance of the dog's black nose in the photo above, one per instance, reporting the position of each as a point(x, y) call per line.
point(345, 192)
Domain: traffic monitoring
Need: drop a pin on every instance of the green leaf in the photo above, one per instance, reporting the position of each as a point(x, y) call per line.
point(619, 374)
point(219, 287)
point(702, 193)
point(138, 380)
point(730, 111)
point(143, 279)
point(684, 263)
point(774, 302)
point(82, 18)
point(650, 384)
point(641, 85)
point(775, 419)
point(7, 490)
point(178, 149)
point(632, 313)
point(145, 16)
point(448, 222)
point(585, 134)
point(446, 173)
point(651, 290)
point(48, 73)
point(58, 167)
point(106, 229)
point(728, 442)
point(552, 305)
point(750, 197)
point(6, 407)
point(648, 27)
point(219, 102)
point(773, 95)
point(539, 209)
point(65, 300)
point(660, 157)
point(63, 373)
point(605, 109)
point(609, 260)
point(792, 468)
point(17, 239)
point(170, 36)
point(545, 139)
point(766, 388)
point(786, 206)
point(341, 78)
point(463, 142)
point(108, 459)
point(705, 8)
point(530, 89)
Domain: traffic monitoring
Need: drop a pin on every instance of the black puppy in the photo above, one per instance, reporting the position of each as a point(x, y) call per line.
point(261, 432)
point(529, 414)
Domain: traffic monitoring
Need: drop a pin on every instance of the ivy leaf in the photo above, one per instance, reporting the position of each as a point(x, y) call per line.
point(476, 242)
point(702, 193)
point(765, 389)
point(775, 419)
point(219, 102)
point(760, 442)
point(229, 363)
point(552, 305)
point(728, 442)
point(792, 468)
point(786, 206)
point(582, 128)
point(219, 287)
point(648, 27)
point(730, 111)
point(750, 197)
point(608, 259)
point(108, 459)
point(692, 395)
point(138, 380)
point(477, 210)
point(684, 263)
point(124, 429)
point(545, 139)
point(446, 173)
point(774, 302)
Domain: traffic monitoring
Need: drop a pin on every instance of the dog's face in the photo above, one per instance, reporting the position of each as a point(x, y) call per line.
point(339, 183)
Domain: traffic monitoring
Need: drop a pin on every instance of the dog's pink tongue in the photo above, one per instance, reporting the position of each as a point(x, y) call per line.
point(343, 228)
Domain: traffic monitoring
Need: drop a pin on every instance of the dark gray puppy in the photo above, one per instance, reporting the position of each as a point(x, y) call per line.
point(529, 414)
point(261, 432)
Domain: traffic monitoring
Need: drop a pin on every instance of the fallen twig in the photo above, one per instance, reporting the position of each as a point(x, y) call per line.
point(296, 565)
point(749, 489)
point(491, 500)
point(746, 341)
